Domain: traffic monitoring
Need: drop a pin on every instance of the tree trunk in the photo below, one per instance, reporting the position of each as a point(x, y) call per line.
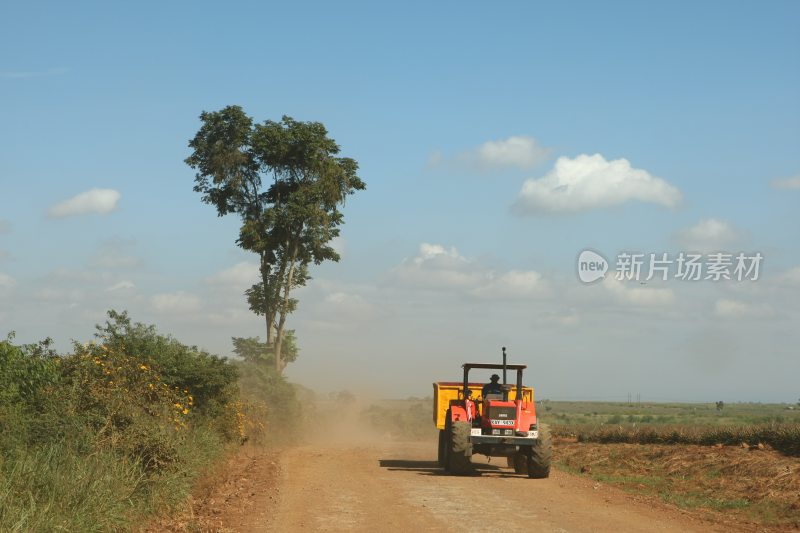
point(279, 366)
point(269, 316)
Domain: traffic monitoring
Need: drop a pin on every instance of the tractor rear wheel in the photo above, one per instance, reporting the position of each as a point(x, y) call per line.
point(541, 455)
point(442, 447)
point(459, 453)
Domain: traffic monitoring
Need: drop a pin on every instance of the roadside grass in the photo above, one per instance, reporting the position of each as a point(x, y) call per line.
point(51, 488)
point(694, 500)
point(760, 486)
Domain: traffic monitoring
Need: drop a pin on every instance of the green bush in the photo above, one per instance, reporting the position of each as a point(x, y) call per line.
point(114, 430)
point(272, 401)
point(211, 379)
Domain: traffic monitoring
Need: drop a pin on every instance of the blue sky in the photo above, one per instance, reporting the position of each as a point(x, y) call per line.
point(450, 109)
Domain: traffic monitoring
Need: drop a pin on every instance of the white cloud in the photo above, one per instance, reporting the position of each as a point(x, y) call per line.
point(351, 305)
point(227, 317)
point(53, 294)
point(436, 158)
point(4, 255)
point(176, 303)
point(792, 276)
point(115, 253)
point(513, 284)
point(590, 182)
point(517, 151)
point(444, 269)
point(121, 286)
point(70, 277)
point(115, 260)
point(93, 201)
point(638, 296)
point(7, 281)
point(339, 244)
point(571, 318)
point(787, 183)
point(26, 74)
point(241, 275)
point(727, 308)
point(5, 226)
point(437, 267)
point(708, 235)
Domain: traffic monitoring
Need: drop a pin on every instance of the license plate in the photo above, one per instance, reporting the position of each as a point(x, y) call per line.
point(502, 422)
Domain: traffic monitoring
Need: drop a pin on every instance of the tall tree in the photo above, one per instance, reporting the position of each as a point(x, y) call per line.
point(287, 183)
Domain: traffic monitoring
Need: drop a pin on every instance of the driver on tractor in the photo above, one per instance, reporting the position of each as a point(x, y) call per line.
point(493, 387)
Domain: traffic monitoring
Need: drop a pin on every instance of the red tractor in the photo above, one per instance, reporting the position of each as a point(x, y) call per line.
point(497, 425)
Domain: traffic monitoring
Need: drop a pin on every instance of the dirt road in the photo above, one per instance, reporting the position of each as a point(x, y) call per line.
point(398, 487)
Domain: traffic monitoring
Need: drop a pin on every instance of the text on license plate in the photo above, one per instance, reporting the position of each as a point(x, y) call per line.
point(502, 422)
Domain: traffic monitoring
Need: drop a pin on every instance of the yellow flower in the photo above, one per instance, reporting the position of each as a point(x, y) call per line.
point(178, 405)
point(185, 411)
point(143, 367)
point(150, 385)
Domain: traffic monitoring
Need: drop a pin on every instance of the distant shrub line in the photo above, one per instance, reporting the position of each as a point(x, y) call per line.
point(781, 437)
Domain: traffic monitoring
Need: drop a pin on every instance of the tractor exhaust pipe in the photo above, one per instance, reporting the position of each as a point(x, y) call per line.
point(504, 366)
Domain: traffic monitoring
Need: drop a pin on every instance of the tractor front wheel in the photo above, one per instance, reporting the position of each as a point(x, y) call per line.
point(541, 454)
point(459, 452)
point(519, 462)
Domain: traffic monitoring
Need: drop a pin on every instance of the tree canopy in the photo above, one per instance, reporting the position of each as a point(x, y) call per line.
point(287, 182)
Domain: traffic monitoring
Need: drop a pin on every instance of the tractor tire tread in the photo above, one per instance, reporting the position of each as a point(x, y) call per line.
point(460, 453)
point(541, 455)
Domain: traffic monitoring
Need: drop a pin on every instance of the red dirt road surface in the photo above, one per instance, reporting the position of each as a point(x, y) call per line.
point(390, 487)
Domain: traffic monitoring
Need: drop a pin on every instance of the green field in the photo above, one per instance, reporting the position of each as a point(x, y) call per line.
point(600, 413)
point(570, 413)
point(675, 423)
